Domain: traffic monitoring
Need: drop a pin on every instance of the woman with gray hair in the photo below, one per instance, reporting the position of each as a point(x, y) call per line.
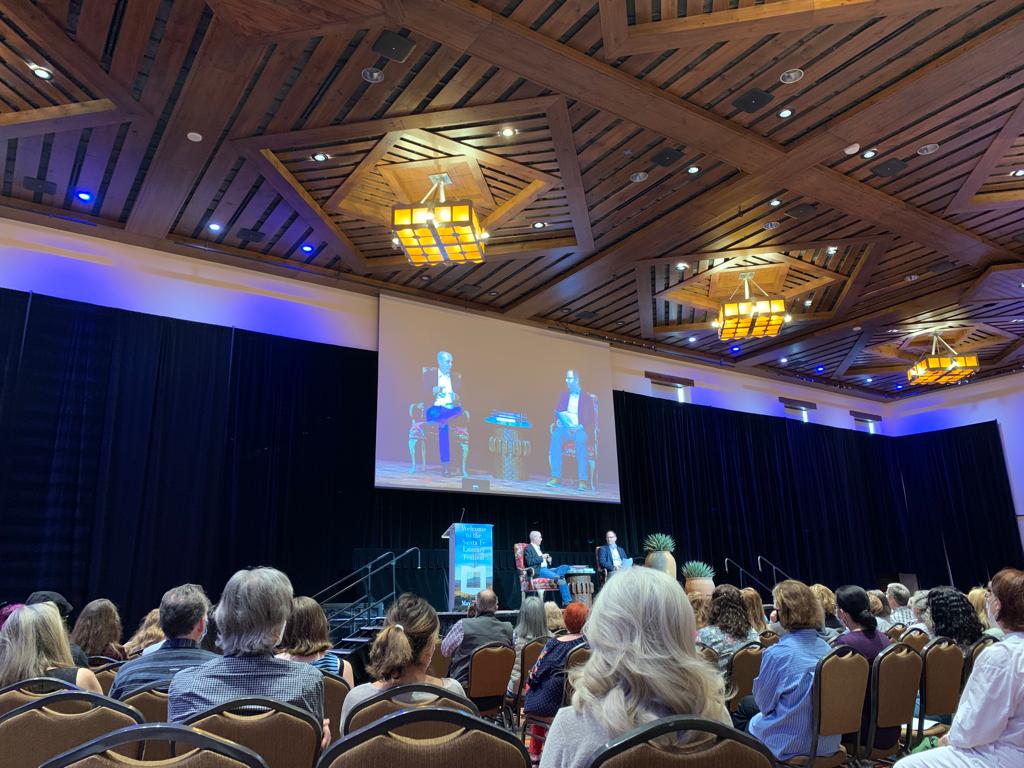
point(251, 617)
point(919, 607)
point(643, 666)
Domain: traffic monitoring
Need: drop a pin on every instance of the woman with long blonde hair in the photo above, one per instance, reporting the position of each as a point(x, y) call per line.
point(148, 633)
point(643, 666)
point(33, 643)
point(755, 608)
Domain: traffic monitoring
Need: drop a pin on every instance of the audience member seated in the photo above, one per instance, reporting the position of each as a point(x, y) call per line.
point(7, 610)
point(251, 616)
point(864, 636)
point(880, 609)
point(728, 624)
point(98, 630)
point(146, 636)
point(988, 729)
point(700, 604)
point(919, 609)
point(978, 598)
point(532, 625)
point(643, 666)
point(825, 633)
point(546, 679)
point(307, 637)
point(827, 598)
point(65, 608)
point(401, 653)
point(534, 557)
point(554, 618)
point(780, 713)
point(755, 609)
point(471, 633)
point(898, 596)
point(34, 643)
point(182, 615)
point(951, 615)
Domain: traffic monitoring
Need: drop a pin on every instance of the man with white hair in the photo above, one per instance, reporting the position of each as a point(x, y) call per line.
point(534, 557)
point(250, 617)
point(898, 597)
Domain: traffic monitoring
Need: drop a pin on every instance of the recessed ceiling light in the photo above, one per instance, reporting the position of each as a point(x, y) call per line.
point(372, 75)
point(832, 250)
point(1021, 285)
point(692, 339)
point(424, 277)
point(791, 76)
point(214, 226)
point(620, 322)
point(539, 224)
point(868, 379)
point(856, 329)
point(853, 149)
point(395, 241)
point(771, 225)
point(567, 309)
point(785, 113)
point(911, 278)
point(492, 293)
point(783, 360)
point(1017, 320)
point(41, 72)
point(868, 154)
point(485, 235)
point(775, 203)
point(681, 265)
point(899, 386)
point(84, 195)
point(734, 350)
point(693, 169)
point(894, 330)
point(820, 369)
point(306, 248)
point(808, 302)
point(928, 149)
point(320, 157)
point(194, 136)
point(507, 132)
point(1018, 173)
point(639, 176)
point(787, 318)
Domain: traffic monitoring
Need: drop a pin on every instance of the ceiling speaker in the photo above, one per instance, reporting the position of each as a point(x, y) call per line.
point(586, 314)
point(889, 167)
point(753, 100)
point(666, 157)
point(393, 46)
point(39, 185)
point(252, 235)
point(802, 211)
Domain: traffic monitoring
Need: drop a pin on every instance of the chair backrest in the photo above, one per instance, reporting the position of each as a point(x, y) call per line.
point(106, 674)
point(439, 664)
point(35, 732)
point(714, 744)
point(490, 668)
point(527, 658)
point(577, 657)
point(895, 631)
point(840, 686)
point(971, 655)
point(208, 751)
point(402, 698)
point(895, 676)
point(915, 638)
point(18, 694)
point(335, 691)
point(940, 679)
point(283, 735)
point(519, 550)
point(151, 701)
point(707, 653)
point(744, 666)
point(768, 637)
point(97, 662)
point(469, 741)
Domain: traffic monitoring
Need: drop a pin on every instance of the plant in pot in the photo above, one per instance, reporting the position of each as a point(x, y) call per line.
point(700, 577)
point(659, 548)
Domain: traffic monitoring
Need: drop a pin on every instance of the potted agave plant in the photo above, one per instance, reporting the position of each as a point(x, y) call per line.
point(700, 577)
point(659, 548)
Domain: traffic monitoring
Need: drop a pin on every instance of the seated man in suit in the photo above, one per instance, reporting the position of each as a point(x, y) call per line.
point(540, 561)
point(611, 555)
point(441, 388)
point(574, 421)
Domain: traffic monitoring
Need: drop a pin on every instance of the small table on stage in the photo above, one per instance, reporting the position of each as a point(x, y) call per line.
point(507, 445)
point(581, 586)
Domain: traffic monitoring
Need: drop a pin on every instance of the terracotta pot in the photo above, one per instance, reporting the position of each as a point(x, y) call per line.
point(703, 585)
point(662, 561)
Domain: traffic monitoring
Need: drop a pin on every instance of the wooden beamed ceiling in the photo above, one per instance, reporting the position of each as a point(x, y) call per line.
point(884, 207)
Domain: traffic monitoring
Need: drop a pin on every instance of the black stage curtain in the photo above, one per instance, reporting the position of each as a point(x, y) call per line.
point(139, 452)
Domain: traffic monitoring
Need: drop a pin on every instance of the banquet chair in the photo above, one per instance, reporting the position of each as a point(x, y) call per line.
point(35, 732)
point(744, 665)
point(470, 741)
point(768, 637)
point(837, 701)
point(527, 658)
point(707, 653)
point(283, 735)
point(713, 745)
point(894, 681)
point(207, 751)
point(915, 638)
point(971, 655)
point(940, 683)
point(895, 631)
point(335, 691)
point(33, 689)
point(398, 699)
point(151, 701)
point(490, 668)
point(106, 674)
point(577, 657)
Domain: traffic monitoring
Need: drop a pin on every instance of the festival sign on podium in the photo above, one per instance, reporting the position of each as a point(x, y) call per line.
point(470, 562)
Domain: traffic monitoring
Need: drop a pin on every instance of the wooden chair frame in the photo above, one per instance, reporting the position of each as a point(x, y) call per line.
point(399, 690)
point(179, 734)
point(420, 715)
point(674, 724)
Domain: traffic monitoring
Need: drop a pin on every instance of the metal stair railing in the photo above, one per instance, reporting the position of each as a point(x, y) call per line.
point(775, 569)
point(744, 572)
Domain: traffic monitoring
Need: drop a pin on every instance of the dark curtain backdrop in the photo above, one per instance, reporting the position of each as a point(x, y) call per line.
point(138, 452)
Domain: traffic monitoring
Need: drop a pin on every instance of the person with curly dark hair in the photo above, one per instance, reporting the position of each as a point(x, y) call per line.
point(950, 614)
point(728, 624)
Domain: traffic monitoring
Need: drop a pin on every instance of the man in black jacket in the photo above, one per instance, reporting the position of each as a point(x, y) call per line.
point(534, 557)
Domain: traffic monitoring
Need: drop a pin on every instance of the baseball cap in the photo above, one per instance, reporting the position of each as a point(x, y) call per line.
point(57, 598)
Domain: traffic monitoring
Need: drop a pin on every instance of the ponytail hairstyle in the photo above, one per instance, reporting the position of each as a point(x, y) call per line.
point(410, 626)
point(854, 600)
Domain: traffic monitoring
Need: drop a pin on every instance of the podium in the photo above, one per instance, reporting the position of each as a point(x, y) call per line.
point(470, 562)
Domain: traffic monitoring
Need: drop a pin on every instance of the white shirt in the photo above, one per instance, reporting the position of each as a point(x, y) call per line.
point(445, 396)
point(572, 410)
point(616, 557)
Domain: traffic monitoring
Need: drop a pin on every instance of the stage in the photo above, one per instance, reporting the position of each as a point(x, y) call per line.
point(393, 474)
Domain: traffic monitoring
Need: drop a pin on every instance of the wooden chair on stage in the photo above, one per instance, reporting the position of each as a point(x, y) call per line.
point(420, 429)
point(527, 582)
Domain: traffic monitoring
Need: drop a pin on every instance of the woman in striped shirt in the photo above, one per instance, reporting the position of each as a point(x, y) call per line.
point(307, 638)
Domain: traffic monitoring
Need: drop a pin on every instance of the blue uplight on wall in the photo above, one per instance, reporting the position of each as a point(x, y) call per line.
point(84, 195)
